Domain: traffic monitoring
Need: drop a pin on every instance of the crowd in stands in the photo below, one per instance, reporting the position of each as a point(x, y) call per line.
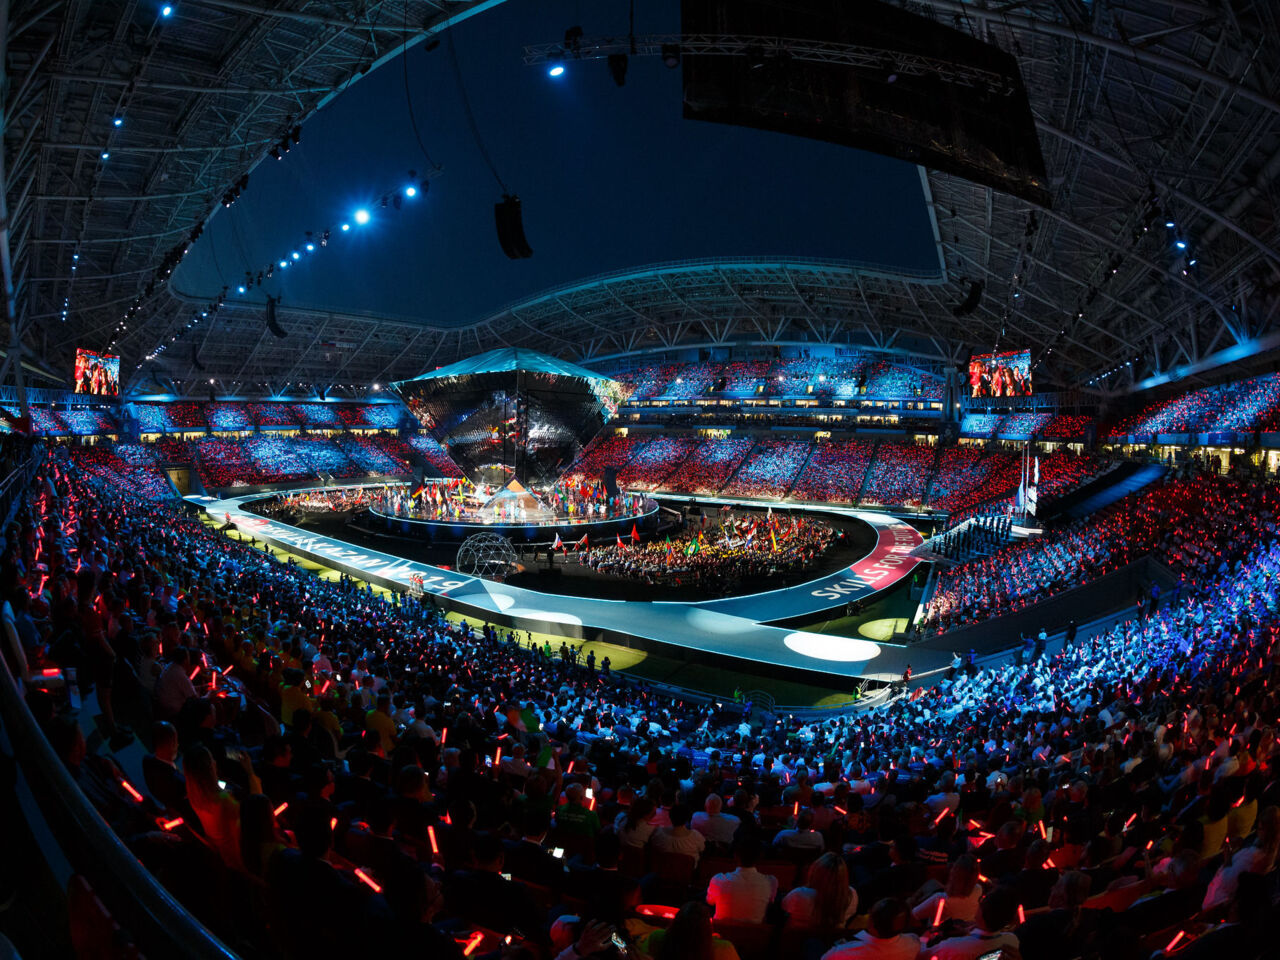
point(654, 461)
point(223, 463)
point(277, 459)
point(266, 414)
point(963, 473)
point(601, 454)
point(1193, 523)
point(1244, 405)
point(323, 415)
point(770, 469)
point(126, 469)
point(1022, 426)
point(841, 378)
point(87, 422)
point(398, 782)
point(374, 457)
point(716, 558)
point(1060, 471)
point(430, 450)
point(1070, 427)
point(980, 426)
point(899, 473)
point(324, 457)
point(227, 417)
point(835, 471)
point(706, 469)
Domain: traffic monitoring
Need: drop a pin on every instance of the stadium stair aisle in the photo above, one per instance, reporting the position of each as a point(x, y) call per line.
point(1122, 487)
point(799, 473)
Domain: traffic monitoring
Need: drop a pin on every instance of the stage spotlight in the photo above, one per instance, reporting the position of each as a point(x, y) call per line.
point(411, 191)
point(1170, 224)
point(296, 133)
point(671, 55)
point(1181, 244)
point(241, 288)
point(284, 263)
point(275, 152)
point(618, 68)
point(310, 247)
point(118, 121)
point(555, 70)
point(166, 10)
point(346, 227)
point(362, 216)
point(105, 155)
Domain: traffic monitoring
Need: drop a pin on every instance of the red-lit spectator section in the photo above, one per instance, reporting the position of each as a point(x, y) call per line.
point(1071, 428)
point(271, 415)
point(430, 450)
point(600, 454)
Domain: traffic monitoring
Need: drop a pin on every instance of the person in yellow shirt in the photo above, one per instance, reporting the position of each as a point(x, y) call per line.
point(379, 721)
point(293, 695)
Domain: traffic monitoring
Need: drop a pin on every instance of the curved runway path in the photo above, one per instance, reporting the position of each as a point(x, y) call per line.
point(735, 627)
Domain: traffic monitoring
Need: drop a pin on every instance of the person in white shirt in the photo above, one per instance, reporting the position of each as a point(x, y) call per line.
point(717, 827)
point(960, 898)
point(997, 912)
point(678, 838)
point(744, 893)
point(803, 837)
point(826, 899)
point(883, 939)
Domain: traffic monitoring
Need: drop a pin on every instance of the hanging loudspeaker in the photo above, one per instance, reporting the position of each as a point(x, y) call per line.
point(272, 324)
point(510, 223)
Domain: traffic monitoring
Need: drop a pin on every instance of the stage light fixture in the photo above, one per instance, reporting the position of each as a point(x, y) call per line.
point(310, 247)
point(411, 191)
point(296, 255)
point(362, 216)
point(241, 288)
point(671, 55)
point(284, 263)
point(346, 227)
point(1181, 244)
point(555, 70)
point(1170, 224)
point(618, 68)
point(166, 10)
point(296, 133)
point(118, 121)
point(275, 152)
point(106, 155)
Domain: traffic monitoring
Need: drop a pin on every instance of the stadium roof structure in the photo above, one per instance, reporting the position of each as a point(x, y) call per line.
point(1149, 112)
point(507, 359)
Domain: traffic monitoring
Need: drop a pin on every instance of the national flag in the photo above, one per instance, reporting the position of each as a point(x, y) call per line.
point(1036, 481)
point(582, 544)
point(635, 534)
point(619, 536)
point(775, 541)
point(557, 545)
point(417, 491)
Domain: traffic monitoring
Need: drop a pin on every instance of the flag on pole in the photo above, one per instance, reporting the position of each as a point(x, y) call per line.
point(635, 534)
point(1036, 481)
point(775, 541)
point(582, 544)
point(557, 545)
point(619, 536)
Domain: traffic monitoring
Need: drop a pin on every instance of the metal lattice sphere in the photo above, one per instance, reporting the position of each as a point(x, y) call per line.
point(487, 555)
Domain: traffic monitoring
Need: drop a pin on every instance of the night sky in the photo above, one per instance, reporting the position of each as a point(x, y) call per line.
point(611, 178)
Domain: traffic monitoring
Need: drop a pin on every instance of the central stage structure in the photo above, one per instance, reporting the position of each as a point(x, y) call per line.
point(512, 413)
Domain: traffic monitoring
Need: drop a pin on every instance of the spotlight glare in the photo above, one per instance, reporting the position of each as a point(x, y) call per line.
point(105, 154)
point(166, 11)
point(1181, 244)
point(346, 227)
point(410, 191)
point(310, 247)
point(296, 255)
point(362, 216)
point(1170, 224)
point(557, 70)
point(240, 288)
point(117, 121)
point(284, 263)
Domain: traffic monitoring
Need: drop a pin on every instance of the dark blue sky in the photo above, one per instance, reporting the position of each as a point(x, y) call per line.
point(611, 178)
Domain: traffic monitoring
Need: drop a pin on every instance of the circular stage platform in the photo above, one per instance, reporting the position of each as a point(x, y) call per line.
point(541, 529)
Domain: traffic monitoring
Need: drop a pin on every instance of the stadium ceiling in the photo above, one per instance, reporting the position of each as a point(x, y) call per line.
point(1147, 111)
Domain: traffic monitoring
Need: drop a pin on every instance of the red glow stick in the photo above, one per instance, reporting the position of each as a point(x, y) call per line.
point(282, 808)
point(50, 672)
point(1174, 942)
point(1040, 824)
point(938, 819)
point(431, 835)
point(368, 881)
point(333, 823)
point(131, 791)
point(1022, 915)
point(476, 939)
point(937, 914)
point(444, 736)
point(195, 671)
point(172, 824)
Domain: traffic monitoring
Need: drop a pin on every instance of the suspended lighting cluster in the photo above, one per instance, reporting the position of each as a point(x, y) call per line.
point(312, 242)
point(1114, 370)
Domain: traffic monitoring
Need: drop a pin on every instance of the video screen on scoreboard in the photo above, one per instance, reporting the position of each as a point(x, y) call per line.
point(97, 373)
point(1000, 374)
